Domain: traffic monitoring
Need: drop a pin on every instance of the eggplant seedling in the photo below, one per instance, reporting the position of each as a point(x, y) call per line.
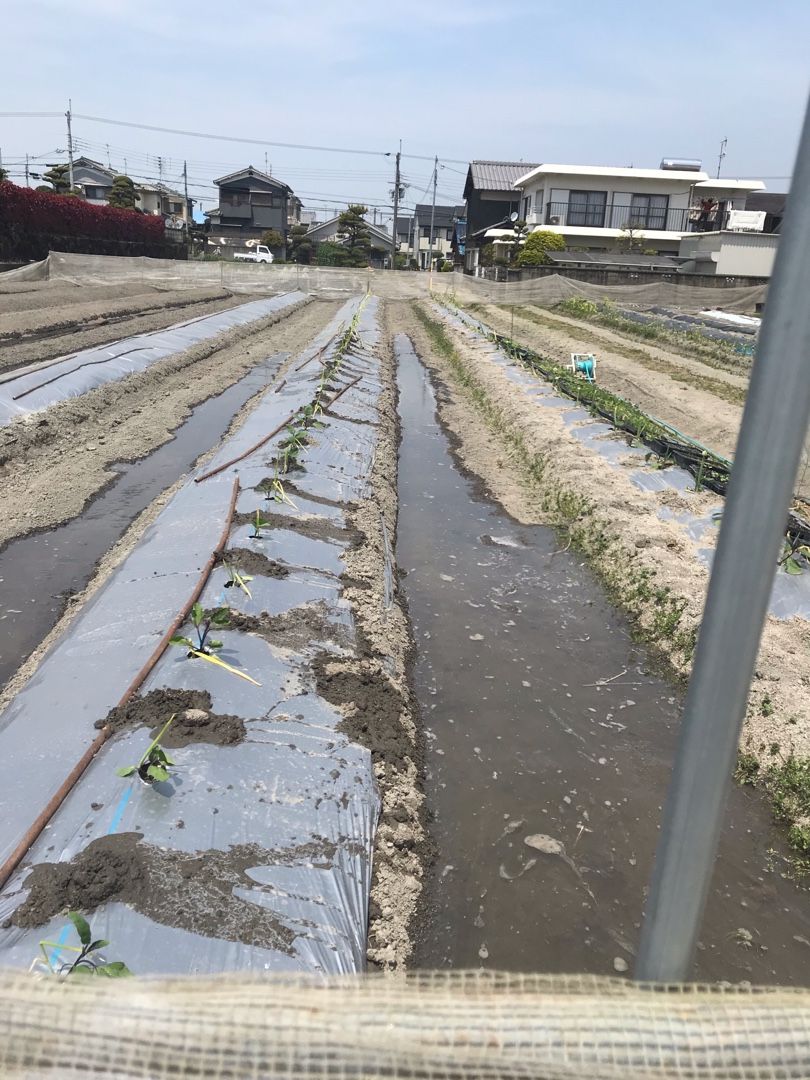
point(258, 524)
point(277, 493)
point(309, 413)
point(202, 624)
point(155, 763)
point(85, 963)
point(237, 579)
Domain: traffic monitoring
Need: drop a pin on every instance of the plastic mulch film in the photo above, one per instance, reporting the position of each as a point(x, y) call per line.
point(256, 853)
point(461, 1025)
point(42, 385)
point(791, 593)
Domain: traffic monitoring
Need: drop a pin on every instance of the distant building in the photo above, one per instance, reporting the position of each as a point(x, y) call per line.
point(95, 182)
point(772, 204)
point(328, 231)
point(443, 219)
point(490, 195)
point(93, 179)
point(735, 254)
point(250, 203)
point(594, 207)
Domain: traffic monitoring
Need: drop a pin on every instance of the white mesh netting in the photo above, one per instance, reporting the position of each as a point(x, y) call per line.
point(431, 1025)
point(396, 284)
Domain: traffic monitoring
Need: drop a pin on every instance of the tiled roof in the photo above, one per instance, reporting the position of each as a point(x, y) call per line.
point(497, 175)
point(443, 217)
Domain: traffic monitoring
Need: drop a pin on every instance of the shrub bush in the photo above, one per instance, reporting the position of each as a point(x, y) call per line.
point(34, 222)
point(538, 244)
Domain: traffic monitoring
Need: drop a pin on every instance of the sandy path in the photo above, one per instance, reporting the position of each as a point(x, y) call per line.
point(52, 463)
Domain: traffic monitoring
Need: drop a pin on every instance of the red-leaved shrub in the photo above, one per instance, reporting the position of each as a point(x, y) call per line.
point(33, 221)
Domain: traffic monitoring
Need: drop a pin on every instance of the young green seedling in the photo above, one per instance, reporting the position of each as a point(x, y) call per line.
point(258, 524)
point(155, 763)
point(277, 493)
point(202, 624)
point(237, 579)
point(789, 563)
point(309, 413)
point(85, 963)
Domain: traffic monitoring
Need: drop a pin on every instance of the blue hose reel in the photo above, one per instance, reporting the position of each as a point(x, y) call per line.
point(584, 365)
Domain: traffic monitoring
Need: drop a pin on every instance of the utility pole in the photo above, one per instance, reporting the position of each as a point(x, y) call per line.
point(396, 210)
point(723, 145)
point(26, 170)
point(433, 212)
point(69, 144)
point(185, 191)
point(160, 169)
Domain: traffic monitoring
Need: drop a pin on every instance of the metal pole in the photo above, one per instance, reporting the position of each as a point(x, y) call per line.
point(396, 211)
point(772, 434)
point(433, 213)
point(69, 145)
point(27, 179)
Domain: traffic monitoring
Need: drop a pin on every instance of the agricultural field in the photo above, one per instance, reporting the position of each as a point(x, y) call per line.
point(344, 630)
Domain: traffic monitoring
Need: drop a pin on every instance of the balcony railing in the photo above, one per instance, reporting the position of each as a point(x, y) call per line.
point(641, 219)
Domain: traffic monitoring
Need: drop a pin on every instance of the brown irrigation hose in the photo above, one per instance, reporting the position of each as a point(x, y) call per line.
point(33, 833)
point(266, 439)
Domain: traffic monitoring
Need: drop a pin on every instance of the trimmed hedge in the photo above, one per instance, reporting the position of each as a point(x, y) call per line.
point(35, 222)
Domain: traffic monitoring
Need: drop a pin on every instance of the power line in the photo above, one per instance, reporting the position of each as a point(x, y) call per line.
point(229, 138)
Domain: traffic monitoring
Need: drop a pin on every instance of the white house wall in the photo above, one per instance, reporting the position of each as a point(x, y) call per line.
point(747, 254)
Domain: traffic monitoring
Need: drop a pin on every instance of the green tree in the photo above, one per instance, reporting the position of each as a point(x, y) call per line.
point(487, 256)
point(301, 247)
point(328, 253)
point(58, 176)
point(3, 174)
point(273, 239)
point(630, 239)
point(123, 195)
point(353, 232)
point(538, 244)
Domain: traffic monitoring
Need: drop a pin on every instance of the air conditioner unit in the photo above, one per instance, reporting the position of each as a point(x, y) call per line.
point(554, 221)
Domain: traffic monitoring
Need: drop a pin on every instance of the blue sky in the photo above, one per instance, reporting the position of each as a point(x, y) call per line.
point(582, 82)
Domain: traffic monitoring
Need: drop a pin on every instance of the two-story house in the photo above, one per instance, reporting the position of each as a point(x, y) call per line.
point(595, 207)
point(250, 203)
point(95, 182)
point(490, 196)
point(443, 219)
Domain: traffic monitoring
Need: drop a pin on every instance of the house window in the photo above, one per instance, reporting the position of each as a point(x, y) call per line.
point(648, 212)
point(91, 192)
point(527, 208)
point(175, 208)
point(587, 208)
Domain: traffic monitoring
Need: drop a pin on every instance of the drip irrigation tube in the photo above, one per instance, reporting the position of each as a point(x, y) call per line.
point(56, 800)
point(266, 438)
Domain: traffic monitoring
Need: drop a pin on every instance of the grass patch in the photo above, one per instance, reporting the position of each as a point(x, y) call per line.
point(735, 395)
point(787, 783)
point(655, 611)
